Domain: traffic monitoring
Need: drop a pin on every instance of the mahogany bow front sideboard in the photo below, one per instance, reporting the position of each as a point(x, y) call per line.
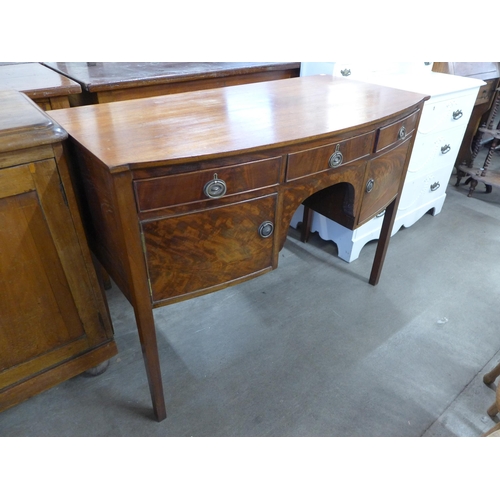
point(189, 193)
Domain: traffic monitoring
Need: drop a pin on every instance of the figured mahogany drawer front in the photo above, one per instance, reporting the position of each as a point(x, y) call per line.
point(178, 189)
point(382, 180)
point(396, 132)
point(333, 155)
point(196, 251)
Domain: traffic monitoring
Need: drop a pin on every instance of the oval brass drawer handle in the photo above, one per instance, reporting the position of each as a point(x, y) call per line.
point(369, 185)
point(266, 229)
point(402, 132)
point(336, 159)
point(215, 188)
point(457, 114)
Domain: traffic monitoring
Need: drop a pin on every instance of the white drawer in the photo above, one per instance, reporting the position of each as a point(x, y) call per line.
point(421, 190)
point(435, 151)
point(443, 114)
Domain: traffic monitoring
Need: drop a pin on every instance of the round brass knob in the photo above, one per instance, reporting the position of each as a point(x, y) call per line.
point(266, 229)
point(215, 188)
point(402, 132)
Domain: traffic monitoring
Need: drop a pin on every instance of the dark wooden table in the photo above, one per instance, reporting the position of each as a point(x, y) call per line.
point(186, 194)
point(118, 81)
point(49, 89)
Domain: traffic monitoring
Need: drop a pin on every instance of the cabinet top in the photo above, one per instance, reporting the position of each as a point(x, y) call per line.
point(249, 118)
point(102, 76)
point(36, 81)
point(23, 124)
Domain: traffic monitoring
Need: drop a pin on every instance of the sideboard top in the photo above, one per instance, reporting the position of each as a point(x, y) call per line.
point(23, 124)
point(105, 76)
point(240, 119)
point(36, 81)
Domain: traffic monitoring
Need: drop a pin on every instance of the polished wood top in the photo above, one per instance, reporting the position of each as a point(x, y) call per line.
point(23, 124)
point(102, 76)
point(36, 81)
point(214, 123)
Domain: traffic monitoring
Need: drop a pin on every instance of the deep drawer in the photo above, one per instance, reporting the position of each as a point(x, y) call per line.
point(444, 114)
point(396, 132)
point(178, 189)
point(434, 151)
point(333, 155)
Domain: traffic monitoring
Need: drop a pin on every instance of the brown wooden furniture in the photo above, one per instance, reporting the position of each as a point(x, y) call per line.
point(118, 81)
point(54, 322)
point(186, 194)
point(484, 172)
point(489, 72)
point(493, 410)
point(49, 89)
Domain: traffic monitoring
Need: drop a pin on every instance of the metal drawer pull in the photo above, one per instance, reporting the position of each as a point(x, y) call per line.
point(336, 159)
point(345, 72)
point(445, 149)
point(369, 185)
point(435, 186)
point(402, 132)
point(215, 188)
point(457, 114)
point(266, 229)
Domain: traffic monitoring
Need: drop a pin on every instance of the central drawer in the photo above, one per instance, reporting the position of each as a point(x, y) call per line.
point(192, 187)
point(312, 161)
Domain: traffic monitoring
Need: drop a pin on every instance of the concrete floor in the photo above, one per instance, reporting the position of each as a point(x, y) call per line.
point(311, 349)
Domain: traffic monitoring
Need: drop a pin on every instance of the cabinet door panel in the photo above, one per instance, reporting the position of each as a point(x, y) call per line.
point(37, 312)
point(40, 257)
point(199, 250)
point(382, 180)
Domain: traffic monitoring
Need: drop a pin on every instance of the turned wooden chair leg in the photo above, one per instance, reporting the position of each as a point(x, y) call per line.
point(491, 376)
point(495, 407)
point(492, 410)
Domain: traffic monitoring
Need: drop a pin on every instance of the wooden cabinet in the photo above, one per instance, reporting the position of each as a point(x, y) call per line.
point(54, 323)
point(49, 89)
point(186, 194)
point(120, 81)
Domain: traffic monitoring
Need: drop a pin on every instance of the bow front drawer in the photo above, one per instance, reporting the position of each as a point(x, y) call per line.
point(192, 187)
point(333, 155)
point(396, 132)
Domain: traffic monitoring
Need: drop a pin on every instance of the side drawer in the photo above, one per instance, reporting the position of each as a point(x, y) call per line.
point(334, 155)
point(396, 132)
point(383, 178)
point(178, 189)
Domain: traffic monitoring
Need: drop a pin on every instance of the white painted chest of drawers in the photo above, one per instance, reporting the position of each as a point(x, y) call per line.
point(439, 136)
